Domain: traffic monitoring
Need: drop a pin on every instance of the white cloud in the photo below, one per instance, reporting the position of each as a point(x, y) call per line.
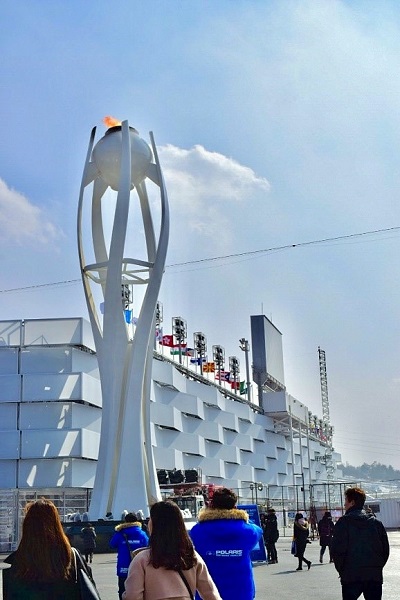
point(206, 189)
point(21, 221)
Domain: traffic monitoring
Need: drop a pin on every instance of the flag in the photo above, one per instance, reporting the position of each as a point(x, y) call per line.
point(235, 385)
point(159, 334)
point(188, 351)
point(167, 340)
point(128, 316)
point(243, 387)
point(175, 349)
point(199, 360)
point(222, 375)
point(209, 367)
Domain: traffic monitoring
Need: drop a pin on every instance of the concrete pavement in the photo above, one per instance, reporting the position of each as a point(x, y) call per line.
point(280, 581)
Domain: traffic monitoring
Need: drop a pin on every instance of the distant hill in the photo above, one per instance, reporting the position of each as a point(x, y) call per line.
point(374, 472)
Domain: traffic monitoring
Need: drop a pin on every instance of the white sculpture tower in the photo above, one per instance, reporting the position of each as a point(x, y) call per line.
point(126, 477)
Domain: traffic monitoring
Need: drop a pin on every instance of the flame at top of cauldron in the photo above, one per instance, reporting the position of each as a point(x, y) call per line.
point(111, 121)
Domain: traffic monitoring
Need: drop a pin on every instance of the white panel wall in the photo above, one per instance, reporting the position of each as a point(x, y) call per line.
point(56, 473)
point(10, 333)
point(49, 332)
point(169, 458)
point(166, 416)
point(9, 447)
point(8, 417)
point(50, 387)
point(8, 474)
point(228, 420)
point(50, 443)
point(59, 443)
point(46, 360)
point(185, 403)
point(84, 362)
point(91, 390)
point(8, 361)
point(59, 415)
point(10, 388)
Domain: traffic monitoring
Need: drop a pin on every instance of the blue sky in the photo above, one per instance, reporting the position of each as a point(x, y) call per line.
point(277, 123)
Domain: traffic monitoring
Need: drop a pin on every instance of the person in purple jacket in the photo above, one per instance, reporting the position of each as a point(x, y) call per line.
point(128, 536)
point(224, 539)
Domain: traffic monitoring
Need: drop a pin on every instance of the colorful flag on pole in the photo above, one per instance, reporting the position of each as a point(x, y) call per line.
point(243, 387)
point(175, 349)
point(167, 340)
point(209, 367)
point(199, 360)
point(223, 375)
point(235, 385)
point(188, 351)
point(159, 334)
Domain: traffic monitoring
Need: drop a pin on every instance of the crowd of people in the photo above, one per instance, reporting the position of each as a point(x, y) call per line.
point(160, 559)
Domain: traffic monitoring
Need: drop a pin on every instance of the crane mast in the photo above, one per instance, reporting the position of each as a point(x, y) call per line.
point(328, 458)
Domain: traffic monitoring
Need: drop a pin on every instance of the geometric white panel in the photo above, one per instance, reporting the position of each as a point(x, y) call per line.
point(8, 474)
point(44, 332)
point(56, 473)
point(10, 333)
point(9, 446)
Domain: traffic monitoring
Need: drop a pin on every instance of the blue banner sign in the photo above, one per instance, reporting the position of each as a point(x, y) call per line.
point(258, 553)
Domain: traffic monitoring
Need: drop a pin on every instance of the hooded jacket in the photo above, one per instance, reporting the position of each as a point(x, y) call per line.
point(124, 533)
point(360, 547)
point(225, 539)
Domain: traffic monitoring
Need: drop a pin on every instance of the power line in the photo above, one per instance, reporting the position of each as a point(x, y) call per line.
point(285, 247)
point(226, 256)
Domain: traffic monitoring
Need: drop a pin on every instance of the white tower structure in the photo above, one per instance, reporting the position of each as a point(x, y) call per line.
point(126, 477)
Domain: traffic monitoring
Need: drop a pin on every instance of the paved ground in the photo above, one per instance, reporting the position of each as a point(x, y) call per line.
point(280, 581)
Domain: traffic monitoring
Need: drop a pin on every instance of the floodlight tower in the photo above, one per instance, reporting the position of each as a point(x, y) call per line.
point(126, 477)
point(326, 423)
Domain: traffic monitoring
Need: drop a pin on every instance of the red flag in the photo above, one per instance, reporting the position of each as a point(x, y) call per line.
point(167, 340)
point(235, 385)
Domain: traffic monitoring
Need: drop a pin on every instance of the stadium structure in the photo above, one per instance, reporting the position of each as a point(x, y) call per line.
point(208, 428)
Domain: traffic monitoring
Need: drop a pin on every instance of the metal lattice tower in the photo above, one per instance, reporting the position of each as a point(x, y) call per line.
point(328, 460)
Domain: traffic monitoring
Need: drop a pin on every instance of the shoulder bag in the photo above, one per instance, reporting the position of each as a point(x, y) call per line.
point(186, 584)
point(84, 579)
point(131, 552)
point(293, 548)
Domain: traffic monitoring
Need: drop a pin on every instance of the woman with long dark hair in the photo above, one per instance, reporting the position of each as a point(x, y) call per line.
point(42, 567)
point(300, 535)
point(170, 567)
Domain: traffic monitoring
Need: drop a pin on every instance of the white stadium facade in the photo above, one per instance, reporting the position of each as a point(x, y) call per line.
point(267, 446)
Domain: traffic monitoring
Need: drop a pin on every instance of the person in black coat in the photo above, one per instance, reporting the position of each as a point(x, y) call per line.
point(360, 549)
point(88, 535)
point(271, 535)
point(300, 535)
point(325, 531)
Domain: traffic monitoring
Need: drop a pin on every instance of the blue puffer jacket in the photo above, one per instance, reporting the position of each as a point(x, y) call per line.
point(224, 539)
point(137, 539)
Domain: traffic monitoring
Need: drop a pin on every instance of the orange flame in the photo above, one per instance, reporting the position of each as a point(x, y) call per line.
point(111, 122)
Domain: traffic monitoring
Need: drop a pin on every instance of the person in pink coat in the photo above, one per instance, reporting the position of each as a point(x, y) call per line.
point(160, 571)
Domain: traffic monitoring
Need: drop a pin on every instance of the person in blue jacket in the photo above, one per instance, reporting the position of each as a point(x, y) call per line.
point(128, 536)
point(224, 539)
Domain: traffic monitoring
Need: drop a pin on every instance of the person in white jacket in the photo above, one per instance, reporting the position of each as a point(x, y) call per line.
point(169, 567)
